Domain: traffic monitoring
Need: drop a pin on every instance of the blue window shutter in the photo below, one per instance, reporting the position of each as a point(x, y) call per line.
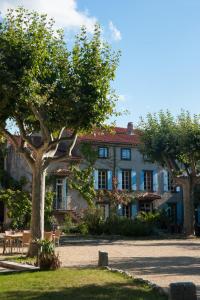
point(179, 209)
point(165, 181)
point(96, 184)
point(142, 181)
point(119, 178)
point(133, 180)
point(119, 210)
point(155, 180)
point(109, 178)
point(134, 210)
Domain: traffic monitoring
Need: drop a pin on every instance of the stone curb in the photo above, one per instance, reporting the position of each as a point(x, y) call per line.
point(160, 290)
point(17, 266)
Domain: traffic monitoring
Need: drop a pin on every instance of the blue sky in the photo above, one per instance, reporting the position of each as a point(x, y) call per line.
point(160, 44)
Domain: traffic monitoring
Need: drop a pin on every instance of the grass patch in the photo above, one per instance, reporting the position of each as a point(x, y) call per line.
point(22, 259)
point(74, 284)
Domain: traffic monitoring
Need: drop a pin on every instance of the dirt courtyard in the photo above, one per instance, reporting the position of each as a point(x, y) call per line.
point(159, 261)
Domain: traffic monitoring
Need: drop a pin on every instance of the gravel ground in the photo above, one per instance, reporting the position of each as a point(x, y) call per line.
point(159, 261)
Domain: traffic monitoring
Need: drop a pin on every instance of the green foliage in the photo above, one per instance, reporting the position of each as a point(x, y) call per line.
point(47, 259)
point(82, 228)
point(174, 142)
point(49, 219)
point(37, 70)
point(127, 227)
point(18, 204)
point(81, 179)
point(89, 153)
point(150, 217)
point(67, 224)
point(143, 225)
point(93, 218)
point(8, 182)
point(115, 196)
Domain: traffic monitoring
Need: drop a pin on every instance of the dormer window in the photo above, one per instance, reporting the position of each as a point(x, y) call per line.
point(126, 154)
point(103, 152)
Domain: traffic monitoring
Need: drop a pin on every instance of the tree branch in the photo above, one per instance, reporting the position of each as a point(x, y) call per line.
point(19, 147)
point(72, 144)
point(44, 130)
point(10, 137)
point(62, 139)
point(23, 134)
point(66, 156)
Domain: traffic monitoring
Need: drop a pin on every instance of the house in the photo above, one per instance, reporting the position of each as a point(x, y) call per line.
point(118, 156)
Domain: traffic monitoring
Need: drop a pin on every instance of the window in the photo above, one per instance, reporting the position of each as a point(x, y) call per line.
point(126, 180)
point(103, 152)
point(126, 211)
point(126, 154)
point(171, 186)
point(146, 207)
point(60, 193)
point(102, 179)
point(148, 181)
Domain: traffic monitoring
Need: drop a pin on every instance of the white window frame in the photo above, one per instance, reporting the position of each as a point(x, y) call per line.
point(102, 186)
point(103, 152)
point(61, 203)
point(126, 179)
point(125, 153)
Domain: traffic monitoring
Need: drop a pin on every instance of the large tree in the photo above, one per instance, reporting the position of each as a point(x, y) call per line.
point(46, 89)
point(175, 143)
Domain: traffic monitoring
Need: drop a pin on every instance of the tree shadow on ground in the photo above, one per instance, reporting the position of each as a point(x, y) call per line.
point(181, 243)
point(89, 292)
point(169, 265)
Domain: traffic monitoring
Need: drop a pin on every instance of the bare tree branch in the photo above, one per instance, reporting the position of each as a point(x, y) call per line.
point(66, 156)
point(18, 146)
point(44, 130)
point(62, 139)
point(72, 144)
point(23, 134)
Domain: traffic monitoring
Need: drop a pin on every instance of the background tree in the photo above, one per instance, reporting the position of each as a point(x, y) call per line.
point(45, 88)
point(175, 143)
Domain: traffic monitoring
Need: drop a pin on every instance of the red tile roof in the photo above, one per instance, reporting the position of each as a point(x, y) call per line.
point(118, 135)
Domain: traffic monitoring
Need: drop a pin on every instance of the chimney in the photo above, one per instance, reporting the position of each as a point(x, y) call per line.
point(130, 128)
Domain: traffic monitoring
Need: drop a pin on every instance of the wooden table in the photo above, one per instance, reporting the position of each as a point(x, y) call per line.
point(11, 239)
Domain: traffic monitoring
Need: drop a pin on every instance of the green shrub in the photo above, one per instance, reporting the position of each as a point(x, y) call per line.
point(150, 217)
point(82, 228)
point(94, 220)
point(68, 225)
point(128, 227)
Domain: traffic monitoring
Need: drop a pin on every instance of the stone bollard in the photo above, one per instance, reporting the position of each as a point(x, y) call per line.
point(182, 291)
point(103, 259)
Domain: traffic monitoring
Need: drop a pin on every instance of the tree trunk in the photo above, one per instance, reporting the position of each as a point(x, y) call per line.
point(38, 199)
point(188, 208)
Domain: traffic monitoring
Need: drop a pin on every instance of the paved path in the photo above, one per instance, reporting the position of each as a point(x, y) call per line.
point(159, 261)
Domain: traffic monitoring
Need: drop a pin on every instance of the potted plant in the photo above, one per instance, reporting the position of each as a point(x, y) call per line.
point(47, 258)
